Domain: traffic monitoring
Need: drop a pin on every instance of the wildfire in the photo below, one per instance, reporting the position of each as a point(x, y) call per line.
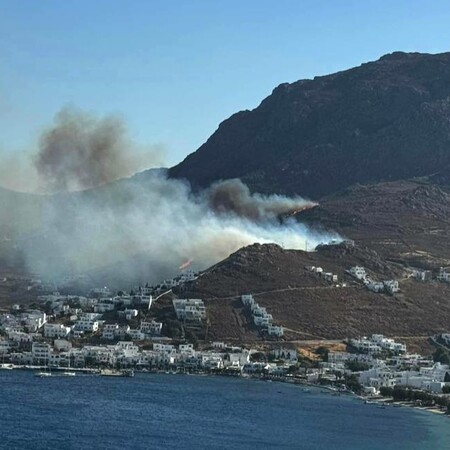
point(186, 264)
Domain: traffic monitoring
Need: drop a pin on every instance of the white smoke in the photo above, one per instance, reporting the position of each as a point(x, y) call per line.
point(143, 228)
point(140, 228)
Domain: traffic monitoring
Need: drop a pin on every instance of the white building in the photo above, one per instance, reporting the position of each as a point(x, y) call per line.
point(4, 346)
point(153, 328)
point(104, 305)
point(247, 300)
point(163, 348)
point(358, 272)
point(275, 330)
point(34, 320)
point(186, 348)
point(87, 323)
point(422, 275)
point(129, 314)
point(391, 286)
point(41, 352)
point(187, 275)
point(56, 330)
point(110, 331)
point(136, 335)
point(375, 286)
point(443, 275)
point(189, 309)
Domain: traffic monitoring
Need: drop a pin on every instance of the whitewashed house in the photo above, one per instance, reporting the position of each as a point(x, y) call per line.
point(110, 331)
point(391, 286)
point(443, 275)
point(189, 309)
point(275, 330)
point(41, 353)
point(56, 330)
point(358, 272)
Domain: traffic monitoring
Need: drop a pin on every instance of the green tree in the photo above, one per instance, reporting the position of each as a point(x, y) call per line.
point(322, 352)
point(441, 355)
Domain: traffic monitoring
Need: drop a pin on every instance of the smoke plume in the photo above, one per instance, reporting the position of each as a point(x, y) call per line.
point(134, 229)
point(82, 151)
point(142, 228)
point(233, 196)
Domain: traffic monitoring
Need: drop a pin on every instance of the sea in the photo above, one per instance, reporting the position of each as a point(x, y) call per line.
point(158, 411)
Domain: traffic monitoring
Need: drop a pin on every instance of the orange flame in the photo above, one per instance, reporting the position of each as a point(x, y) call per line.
point(186, 264)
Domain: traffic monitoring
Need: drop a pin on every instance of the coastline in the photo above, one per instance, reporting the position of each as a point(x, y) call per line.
point(378, 401)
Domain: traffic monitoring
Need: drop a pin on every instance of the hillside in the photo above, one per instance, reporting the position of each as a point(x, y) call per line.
point(311, 308)
point(385, 120)
point(404, 221)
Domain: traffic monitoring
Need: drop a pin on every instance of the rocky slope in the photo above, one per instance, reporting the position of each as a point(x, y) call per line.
point(384, 120)
point(311, 308)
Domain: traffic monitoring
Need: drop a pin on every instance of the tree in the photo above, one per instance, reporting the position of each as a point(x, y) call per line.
point(386, 391)
point(357, 366)
point(322, 352)
point(441, 355)
point(258, 356)
point(352, 383)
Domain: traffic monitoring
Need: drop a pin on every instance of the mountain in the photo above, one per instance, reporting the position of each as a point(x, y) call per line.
point(382, 121)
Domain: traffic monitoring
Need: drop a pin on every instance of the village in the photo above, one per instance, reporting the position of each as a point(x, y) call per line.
point(107, 333)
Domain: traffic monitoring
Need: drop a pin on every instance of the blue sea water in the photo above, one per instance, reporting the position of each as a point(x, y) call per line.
point(194, 412)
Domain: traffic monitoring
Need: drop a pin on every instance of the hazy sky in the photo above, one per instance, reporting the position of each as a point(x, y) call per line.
point(175, 69)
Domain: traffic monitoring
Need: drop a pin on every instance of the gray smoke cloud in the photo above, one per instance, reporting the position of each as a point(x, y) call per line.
point(143, 228)
point(81, 151)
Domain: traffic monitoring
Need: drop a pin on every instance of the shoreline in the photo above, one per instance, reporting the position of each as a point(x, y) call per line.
point(380, 402)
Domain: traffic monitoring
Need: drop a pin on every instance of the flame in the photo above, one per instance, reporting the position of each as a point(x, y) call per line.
point(295, 211)
point(186, 264)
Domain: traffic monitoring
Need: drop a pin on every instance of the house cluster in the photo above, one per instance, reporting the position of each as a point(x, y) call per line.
point(29, 322)
point(422, 275)
point(429, 378)
point(100, 301)
point(163, 356)
point(376, 344)
point(261, 317)
point(427, 275)
point(186, 276)
point(146, 330)
point(388, 286)
point(327, 276)
point(400, 368)
point(29, 326)
point(75, 316)
point(189, 309)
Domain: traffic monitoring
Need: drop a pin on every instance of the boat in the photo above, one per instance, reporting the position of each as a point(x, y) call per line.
point(5, 366)
point(116, 373)
point(43, 374)
point(67, 373)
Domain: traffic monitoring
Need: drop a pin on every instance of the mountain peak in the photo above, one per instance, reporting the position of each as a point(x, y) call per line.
point(384, 120)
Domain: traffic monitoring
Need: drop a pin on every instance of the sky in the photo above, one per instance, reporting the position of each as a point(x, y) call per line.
point(173, 70)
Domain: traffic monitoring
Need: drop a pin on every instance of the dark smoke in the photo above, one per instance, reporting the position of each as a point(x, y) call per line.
point(233, 196)
point(81, 151)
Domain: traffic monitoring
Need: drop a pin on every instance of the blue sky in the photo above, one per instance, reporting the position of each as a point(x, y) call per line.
point(175, 69)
